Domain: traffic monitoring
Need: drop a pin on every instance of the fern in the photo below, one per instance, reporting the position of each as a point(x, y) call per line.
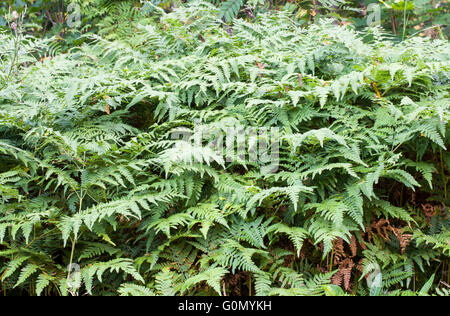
point(111, 162)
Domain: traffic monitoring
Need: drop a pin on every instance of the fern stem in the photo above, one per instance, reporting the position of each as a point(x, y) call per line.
point(405, 20)
point(3, 274)
point(39, 237)
point(331, 259)
point(16, 52)
point(448, 273)
point(74, 241)
point(444, 178)
point(249, 284)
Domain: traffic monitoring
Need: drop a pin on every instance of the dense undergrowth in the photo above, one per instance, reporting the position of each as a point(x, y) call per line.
point(97, 197)
point(402, 18)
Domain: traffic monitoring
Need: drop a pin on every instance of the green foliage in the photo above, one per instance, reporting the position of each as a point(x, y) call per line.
point(97, 197)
